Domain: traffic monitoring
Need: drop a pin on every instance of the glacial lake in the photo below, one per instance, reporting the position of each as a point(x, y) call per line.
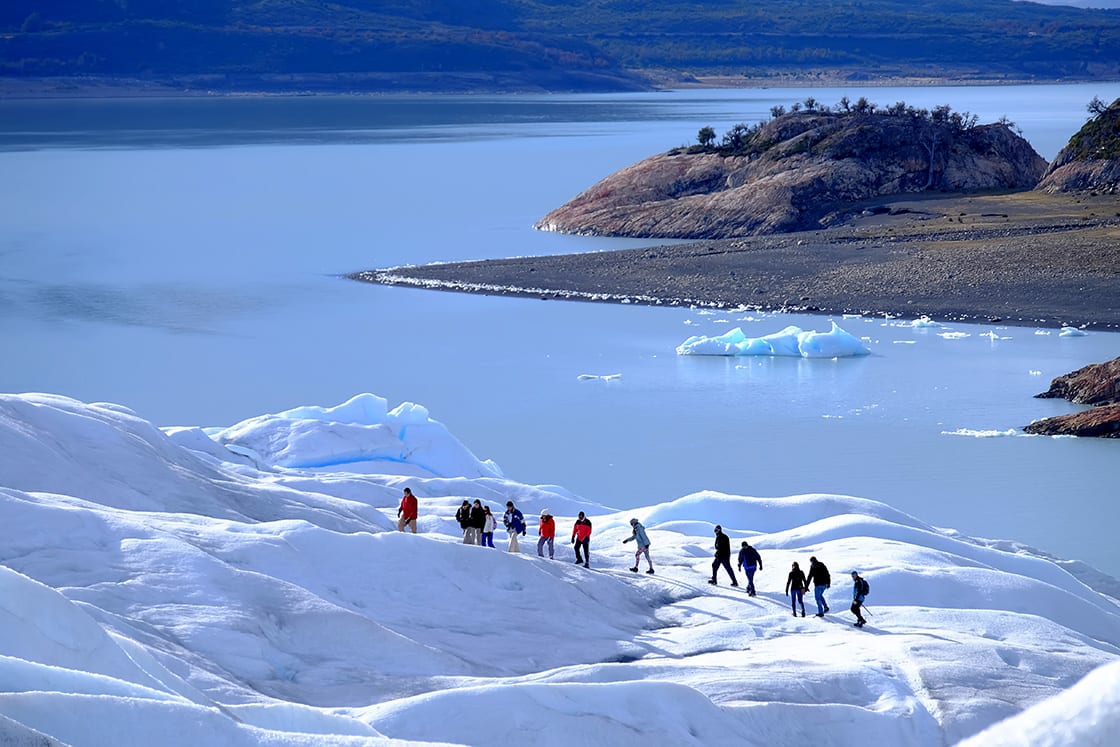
point(184, 257)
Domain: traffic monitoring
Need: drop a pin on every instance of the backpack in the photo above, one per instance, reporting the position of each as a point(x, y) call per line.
point(864, 587)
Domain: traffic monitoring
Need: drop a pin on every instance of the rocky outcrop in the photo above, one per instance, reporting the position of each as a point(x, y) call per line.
point(1090, 162)
point(791, 172)
point(1096, 384)
point(1101, 422)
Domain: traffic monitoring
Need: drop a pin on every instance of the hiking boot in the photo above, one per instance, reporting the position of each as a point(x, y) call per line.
point(803, 613)
point(585, 565)
point(649, 571)
point(819, 614)
point(734, 583)
point(712, 581)
point(634, 569)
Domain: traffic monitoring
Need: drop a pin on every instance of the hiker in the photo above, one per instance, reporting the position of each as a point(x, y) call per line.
point(488, 528)
point(723, 557)
point(515, 524)
point(407, 511)
point(478, 522)
point(860, 588)
point(581, 538)
point(795, 588)
point(749, 560)
point(639, 535)
point(463, 516)
point(818, 574)
point(547, 532)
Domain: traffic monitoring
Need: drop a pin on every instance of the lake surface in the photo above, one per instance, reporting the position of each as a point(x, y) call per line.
point(184, 257)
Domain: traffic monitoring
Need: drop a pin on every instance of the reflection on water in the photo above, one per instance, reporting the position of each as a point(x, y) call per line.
point(183, 258)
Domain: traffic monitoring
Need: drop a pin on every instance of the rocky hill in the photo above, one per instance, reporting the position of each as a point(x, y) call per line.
point(801, 170)
point(1097, 384)
point(1090, 162)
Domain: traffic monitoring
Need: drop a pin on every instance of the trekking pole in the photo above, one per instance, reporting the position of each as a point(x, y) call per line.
point(863, 607)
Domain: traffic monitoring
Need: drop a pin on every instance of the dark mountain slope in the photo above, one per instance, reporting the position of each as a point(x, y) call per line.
point(533, 43)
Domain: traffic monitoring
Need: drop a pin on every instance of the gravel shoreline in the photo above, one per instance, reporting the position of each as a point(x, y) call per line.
point(1017, 259)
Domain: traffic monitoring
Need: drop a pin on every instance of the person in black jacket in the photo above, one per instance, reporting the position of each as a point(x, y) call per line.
point(723, 557)
point(795, 588)
point(818, 574)
point(749, 560)
point(477, 521)
point(463, 516)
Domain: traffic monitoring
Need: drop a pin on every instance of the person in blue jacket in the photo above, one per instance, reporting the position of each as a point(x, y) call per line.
point(749, 561)
point(859, 593)
point(515, 525)
point(639, 535)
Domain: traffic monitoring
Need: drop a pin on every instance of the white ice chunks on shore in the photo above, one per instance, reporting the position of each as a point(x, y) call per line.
point(1072, 332)
point(791, 341)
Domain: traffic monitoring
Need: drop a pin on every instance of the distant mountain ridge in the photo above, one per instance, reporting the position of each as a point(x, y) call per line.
point(558, 45)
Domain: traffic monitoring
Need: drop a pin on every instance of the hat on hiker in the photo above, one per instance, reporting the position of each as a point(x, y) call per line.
point(633, 522)
point(544, 512)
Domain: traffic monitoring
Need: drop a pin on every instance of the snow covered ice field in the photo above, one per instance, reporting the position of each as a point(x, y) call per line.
point(247, 585)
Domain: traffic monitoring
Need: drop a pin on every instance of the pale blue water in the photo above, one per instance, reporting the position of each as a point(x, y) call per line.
point(183, 258)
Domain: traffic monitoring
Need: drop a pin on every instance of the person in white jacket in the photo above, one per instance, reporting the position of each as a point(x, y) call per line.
point(488, 529)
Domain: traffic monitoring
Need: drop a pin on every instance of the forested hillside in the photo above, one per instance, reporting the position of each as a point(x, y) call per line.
point(548, 44)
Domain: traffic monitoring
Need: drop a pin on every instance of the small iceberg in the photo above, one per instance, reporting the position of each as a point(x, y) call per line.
point(791, 341)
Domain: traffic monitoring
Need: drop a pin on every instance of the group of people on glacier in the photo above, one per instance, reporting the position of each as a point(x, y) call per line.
point(478, 524)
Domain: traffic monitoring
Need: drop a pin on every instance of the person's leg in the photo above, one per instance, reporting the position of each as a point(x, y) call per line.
point(648, 559)
point(730, 571)
point(750, 569)
point(826, 587)
point(412, 524)
point(587, 553)
point(818, 593)
point(540, 547)
point(715, 570)
point(513, 546)
point(551, 548)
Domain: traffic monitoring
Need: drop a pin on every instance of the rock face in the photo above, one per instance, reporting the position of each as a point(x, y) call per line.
point(1095, 384)
point(793, 171)
point(1090, 162)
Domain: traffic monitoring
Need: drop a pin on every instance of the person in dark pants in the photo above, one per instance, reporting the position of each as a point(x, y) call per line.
point(818, 574)
point(581, 538)
point(749, 561)
point(795, 588)
point(859, 593)
point(723, 557)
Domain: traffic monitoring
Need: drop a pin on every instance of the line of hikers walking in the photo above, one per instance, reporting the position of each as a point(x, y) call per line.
point(478, 524)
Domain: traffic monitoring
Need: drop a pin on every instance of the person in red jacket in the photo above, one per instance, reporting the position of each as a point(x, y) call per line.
point(548, 534)
point(581, 538)
point(406, 513)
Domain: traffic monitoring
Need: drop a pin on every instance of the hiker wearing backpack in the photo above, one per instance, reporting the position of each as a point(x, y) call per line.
point(723, 557)
point(860, 589)
point(639, 535)
point(749, 560)
point(795, 588)
point(818, 574)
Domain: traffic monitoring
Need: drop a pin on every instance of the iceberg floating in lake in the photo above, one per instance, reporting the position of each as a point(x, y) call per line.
point(791, 341)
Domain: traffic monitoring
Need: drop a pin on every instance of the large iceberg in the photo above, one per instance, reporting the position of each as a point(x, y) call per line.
point(791, 341)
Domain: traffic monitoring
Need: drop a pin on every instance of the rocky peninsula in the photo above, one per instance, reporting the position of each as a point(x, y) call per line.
point(864, 211)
